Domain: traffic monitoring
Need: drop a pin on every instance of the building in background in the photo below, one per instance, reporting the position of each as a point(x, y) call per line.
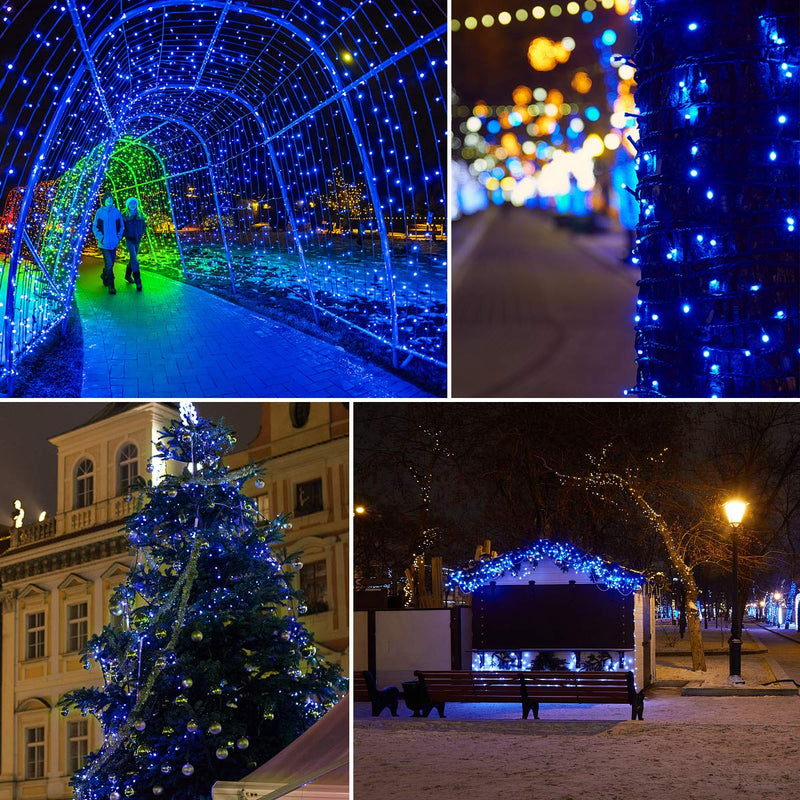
point(56, 576)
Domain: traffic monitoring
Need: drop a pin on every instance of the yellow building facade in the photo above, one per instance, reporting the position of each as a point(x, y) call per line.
point(56, 577)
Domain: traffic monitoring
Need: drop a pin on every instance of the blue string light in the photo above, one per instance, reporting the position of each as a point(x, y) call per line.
point(565, 555)
point(717, 239)
point(297, 152)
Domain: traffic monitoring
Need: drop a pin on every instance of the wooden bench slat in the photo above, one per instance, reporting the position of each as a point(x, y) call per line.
point(529, 688)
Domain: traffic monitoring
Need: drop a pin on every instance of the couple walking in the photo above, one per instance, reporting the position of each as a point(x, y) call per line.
point(109, 228)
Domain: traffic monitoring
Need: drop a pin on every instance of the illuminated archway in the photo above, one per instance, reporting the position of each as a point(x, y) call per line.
point(295, 152)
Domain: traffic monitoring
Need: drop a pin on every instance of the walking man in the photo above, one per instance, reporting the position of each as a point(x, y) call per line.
point(108, 230)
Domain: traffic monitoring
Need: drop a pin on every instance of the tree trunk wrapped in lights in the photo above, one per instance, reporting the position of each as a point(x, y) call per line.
point(717, 314)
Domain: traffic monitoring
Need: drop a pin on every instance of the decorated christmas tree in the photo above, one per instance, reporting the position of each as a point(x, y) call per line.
point(208, 672)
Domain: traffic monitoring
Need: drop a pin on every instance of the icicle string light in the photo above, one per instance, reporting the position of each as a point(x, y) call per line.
point(345, 216)
point(718, 313)
point(565, 555)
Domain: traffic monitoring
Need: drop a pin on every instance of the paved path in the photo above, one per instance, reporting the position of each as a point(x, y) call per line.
point(784, 647)
point(175, 340)
point(539, 311)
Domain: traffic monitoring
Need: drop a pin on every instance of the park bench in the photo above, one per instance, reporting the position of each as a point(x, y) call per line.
point(365, 689)
point(579, 687)
point(435, 688)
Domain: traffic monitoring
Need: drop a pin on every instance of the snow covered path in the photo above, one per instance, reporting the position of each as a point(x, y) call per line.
point(687, 748)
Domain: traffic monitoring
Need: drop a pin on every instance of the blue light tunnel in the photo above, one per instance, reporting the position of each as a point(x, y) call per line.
point(292, 153)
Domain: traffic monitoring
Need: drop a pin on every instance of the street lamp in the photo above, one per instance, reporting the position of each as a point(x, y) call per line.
point(734, 509)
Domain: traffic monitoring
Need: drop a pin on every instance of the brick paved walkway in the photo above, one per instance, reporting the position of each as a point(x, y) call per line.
point(175, 340)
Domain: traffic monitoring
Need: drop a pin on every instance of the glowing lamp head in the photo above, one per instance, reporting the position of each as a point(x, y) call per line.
point(734, 510)
point(777, 596)
point(360, 510)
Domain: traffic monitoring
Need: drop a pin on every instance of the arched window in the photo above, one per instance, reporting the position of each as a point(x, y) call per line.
point(127, 467)
point(84, 484)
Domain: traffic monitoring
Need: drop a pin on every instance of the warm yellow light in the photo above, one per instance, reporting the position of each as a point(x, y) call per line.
point(508, 183)
point(42, 516)
point(573, 8)
point(734, 510)
point(470, 23)
point(612, 141)
point(581, 82)
point(504, 17)
point(522, 95)
point(555, 11)
point(622, 7)
point(521, 14)
point(593, 145)
point(544, 54)
point(455, 25)
point(538, 12)
point(555, 97)
point(492, 184)
point(777, 596)
point(487, 20)
point(346, 57)
point(607, 3)
point(510, 144)
point(360, 510)
point(626, 72)
point(481, 110)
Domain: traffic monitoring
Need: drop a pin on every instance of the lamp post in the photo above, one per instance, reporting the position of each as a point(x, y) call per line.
point(734, 509)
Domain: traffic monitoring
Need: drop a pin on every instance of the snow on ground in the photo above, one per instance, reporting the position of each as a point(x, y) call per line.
point(687, 748)
point(677, 665)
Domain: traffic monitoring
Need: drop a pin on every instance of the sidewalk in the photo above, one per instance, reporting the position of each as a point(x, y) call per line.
point(761, 673)
point(175, 340)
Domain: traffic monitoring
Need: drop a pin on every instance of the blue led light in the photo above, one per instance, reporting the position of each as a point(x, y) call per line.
point(565, 555)
point(609, 37)
point(782, 119)
point(706, 353)
point(686, 308)
point(692, 26)
point(592, 113)
point(587, 17)
point(280, 175)
point(493, 126)
point(773, 155)
point(764, 337)
point(710, 194)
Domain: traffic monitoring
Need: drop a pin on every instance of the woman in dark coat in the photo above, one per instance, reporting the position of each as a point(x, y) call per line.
point(135, 226)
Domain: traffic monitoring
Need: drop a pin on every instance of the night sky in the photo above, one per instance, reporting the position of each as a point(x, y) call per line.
point(494, 471)
point(28, 464)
